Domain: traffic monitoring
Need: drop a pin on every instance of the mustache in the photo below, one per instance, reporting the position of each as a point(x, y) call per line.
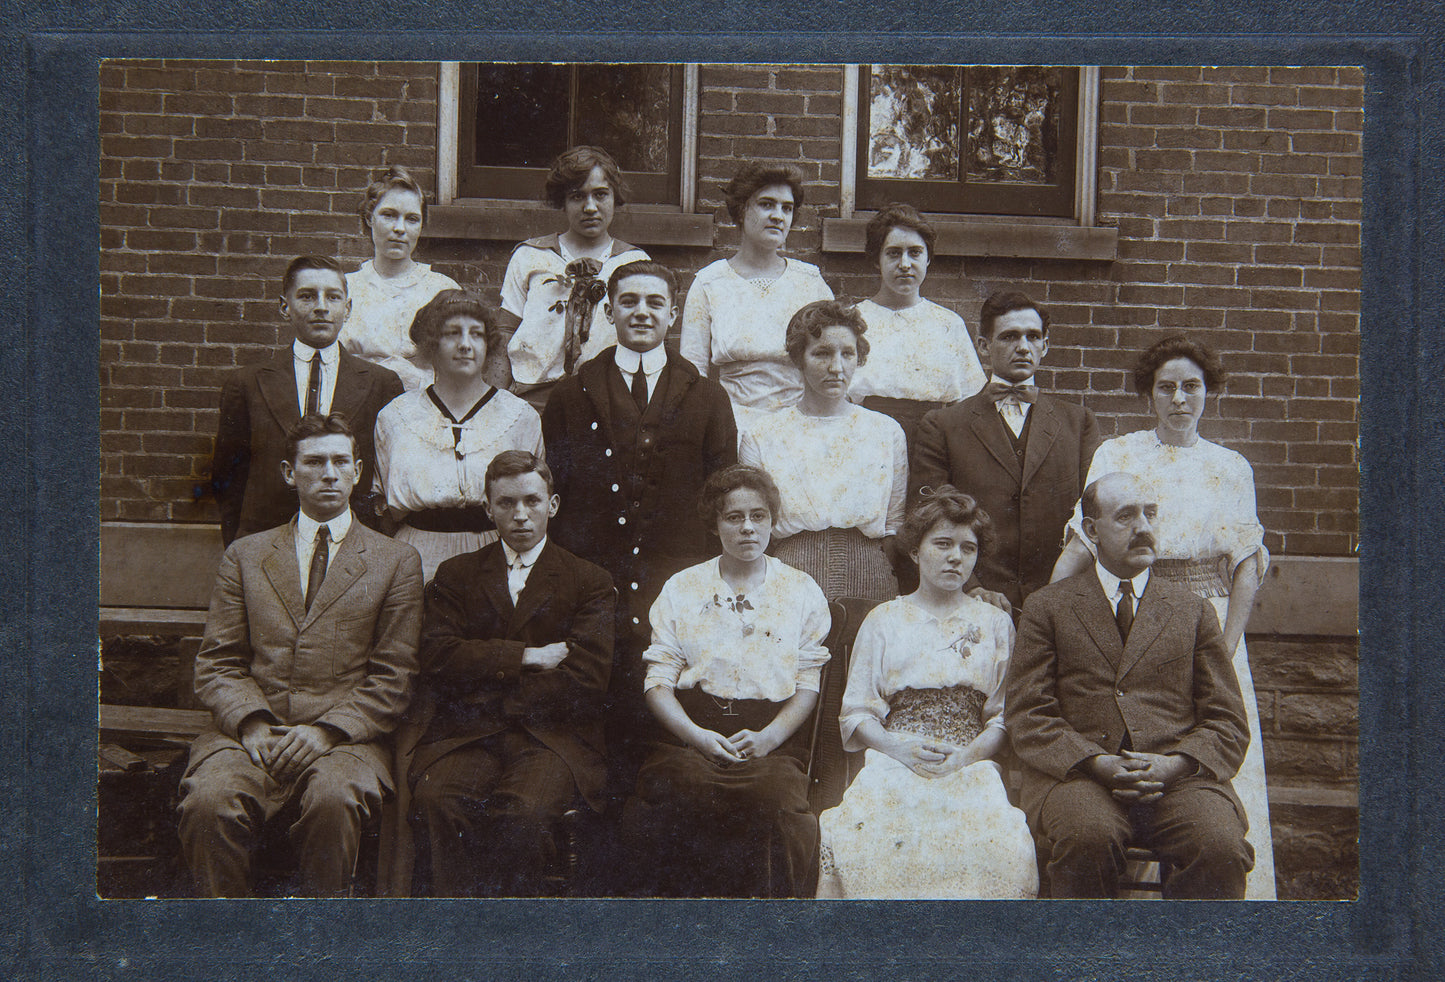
point(1142, 539)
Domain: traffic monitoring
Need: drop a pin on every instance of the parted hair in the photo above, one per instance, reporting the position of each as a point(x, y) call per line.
point(1002, 302)
point(895, 215)
point(316, 425)
point(940, 504)
point(642, 267)
point(571, 169)
point(511, 463)
point(295, 266)
point(1173, 346)
point(427, 325)
point(752, 177)
point(722, 482)
point(393, 177)
point(810, 321)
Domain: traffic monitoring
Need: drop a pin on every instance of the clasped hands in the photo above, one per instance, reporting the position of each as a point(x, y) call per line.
point(929, 758)
point(1139, 778)
point(284, 752)
point(742, 746)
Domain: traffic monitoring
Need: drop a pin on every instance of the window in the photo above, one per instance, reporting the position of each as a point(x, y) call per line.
point(970, 140)
point(513, 119)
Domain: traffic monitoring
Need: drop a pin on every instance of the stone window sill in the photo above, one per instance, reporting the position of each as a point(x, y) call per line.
point(513, 221)
point(981, 237)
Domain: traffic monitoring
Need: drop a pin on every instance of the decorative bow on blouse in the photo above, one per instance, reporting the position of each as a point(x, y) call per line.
point(587, 291)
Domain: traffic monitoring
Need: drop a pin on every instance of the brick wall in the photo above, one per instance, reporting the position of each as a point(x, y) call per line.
point(1235, 191)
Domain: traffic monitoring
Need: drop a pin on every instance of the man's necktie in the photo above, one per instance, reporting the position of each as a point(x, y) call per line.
point(319, 559)
point(639, 389)
point(1124, 616)
point(999, 391)
point(313, 387)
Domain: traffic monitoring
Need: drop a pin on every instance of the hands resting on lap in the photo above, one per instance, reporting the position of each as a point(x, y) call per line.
point(284, 752)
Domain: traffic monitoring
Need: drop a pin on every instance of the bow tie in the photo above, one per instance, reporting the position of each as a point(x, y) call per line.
point(999, 391)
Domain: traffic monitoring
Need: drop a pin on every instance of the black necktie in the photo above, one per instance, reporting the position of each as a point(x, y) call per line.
point(639, 389)
point(319, 559)
point(313, 387)
point(1124, 616)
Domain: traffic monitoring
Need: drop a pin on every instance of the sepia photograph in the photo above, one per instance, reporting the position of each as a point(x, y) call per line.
point(723, 480)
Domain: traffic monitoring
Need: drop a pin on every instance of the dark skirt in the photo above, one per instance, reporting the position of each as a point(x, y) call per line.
point(700, 829)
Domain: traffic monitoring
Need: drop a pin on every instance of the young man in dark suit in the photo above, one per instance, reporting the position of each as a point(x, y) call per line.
point(1124, 707)
point(306, 665)
point(631, 438)
point(1022, 454)
point(515, 655)
point(311, 376)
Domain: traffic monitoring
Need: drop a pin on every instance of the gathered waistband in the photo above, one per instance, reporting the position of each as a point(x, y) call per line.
point(1208, 577)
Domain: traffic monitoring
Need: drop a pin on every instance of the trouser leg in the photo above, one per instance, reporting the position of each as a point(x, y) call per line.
point(446, 807)
point(225, 799)
point(1085, 832)
point(534, 792)
point(339, 793)
point(1200, 833)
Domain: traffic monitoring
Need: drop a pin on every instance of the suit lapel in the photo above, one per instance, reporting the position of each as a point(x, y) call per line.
point(494, 580)
point(541, 584)
point(343, 569)
point(277, 383)
point(988, 429)
point(671, 387)
point(1093, 611)
point(353, 385)
point(593, 377)
point(1043, 430)
point(282, 573)
point(1154, 611)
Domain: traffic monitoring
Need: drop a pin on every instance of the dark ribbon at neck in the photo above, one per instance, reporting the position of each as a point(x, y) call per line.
point(587, 292)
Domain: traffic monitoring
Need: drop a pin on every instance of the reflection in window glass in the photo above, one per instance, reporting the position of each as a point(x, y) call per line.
point(1013, 124)
point(522, 118)
point(913, 122)
point(625, 109)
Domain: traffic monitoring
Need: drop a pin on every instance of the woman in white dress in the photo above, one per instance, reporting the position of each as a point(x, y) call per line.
point(843, 469)
point(927, 816)
point(553, 291)
point(737, 308)
point(1209, 535)
point(733, 672)
point(922, 356)
point(388, 289)
point(433, 445)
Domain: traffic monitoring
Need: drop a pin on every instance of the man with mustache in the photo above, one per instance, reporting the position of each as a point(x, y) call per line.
point(1021, 453)
point(1125, 710)
point(311, 376)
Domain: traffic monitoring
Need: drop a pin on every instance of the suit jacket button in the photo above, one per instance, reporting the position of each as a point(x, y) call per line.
point(1119, 692)
point(614, 487)
point(501, 674)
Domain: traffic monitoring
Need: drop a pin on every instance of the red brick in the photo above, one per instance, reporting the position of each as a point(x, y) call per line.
point(337, 109)
point(1270, 276)
point(1141, 115)
point(1324, 364)
point(1301, 119)
point(1217, 252)
point(823, 104)
point(355, 87)
point(1264, 95)
point(1339, 300)
point(1240, 117)
point(823, 77)
point(1346, 166)
point(210, 149)
point(1137, 92)
point(165, 80)
point(1216, 183)
point(1326, 232)
point(1150, 250)
point(199, 104)
point(1339, 279)
point(734, 76)
point(1196, 273)
point(1236, 74)
point(1343, 98)
point(160, 240)
point(270, 106)
point(1187, 137)
point(1270, 184)
point(230, 80)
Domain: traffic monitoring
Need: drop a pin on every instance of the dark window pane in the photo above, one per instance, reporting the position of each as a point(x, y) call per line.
point(1013, 124)
point(521, 114)
point(913, 122)
point(625, 110)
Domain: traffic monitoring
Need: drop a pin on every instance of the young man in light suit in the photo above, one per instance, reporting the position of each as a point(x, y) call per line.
point(306, 665)
point(1124, 708)
point(312, 375)
point(1022, 454)
point(516, 652)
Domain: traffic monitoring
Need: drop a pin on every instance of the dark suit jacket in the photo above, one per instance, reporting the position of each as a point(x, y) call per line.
point(258, 406)
point(965, 445)
point(686, 433)
point(1075, 691)
point(471, 658)
point(348, 662)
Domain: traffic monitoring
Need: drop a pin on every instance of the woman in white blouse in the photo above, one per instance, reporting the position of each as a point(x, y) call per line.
point(927, 817)
point(737, 308)
point(388, 289)
point(922, 356)
point(732, 675)
point(433, 445)
point(843, 469)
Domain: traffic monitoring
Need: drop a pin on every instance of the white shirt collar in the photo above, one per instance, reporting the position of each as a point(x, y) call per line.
point(1110, 583)
point(528, 558)
point(303, 352)
point(337, 528)
point(652, 361)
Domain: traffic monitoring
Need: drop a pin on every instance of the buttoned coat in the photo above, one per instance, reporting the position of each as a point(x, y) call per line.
point(258, 408)
point(1074, 690)
point(349, 662)
point(1031, 501)
point(686, 433)
point(473, 684)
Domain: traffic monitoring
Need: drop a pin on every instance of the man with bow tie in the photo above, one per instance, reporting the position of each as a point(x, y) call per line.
point(516, 653)
point(1021, 453)
point(1124, 708)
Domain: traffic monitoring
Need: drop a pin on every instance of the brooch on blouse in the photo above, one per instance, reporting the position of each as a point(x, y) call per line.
point(736, 604)
point(960, 645)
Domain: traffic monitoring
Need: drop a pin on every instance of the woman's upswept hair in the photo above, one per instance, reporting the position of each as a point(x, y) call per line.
point(896, 215)
point(1173, 346)
point(571, 169)
point(812, 319)
point(426, 326)
point(752, 178)
point(722, 482)
point(395, 176)
point(945, 503)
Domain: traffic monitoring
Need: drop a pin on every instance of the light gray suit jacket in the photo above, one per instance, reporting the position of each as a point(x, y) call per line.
point(348, 662)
